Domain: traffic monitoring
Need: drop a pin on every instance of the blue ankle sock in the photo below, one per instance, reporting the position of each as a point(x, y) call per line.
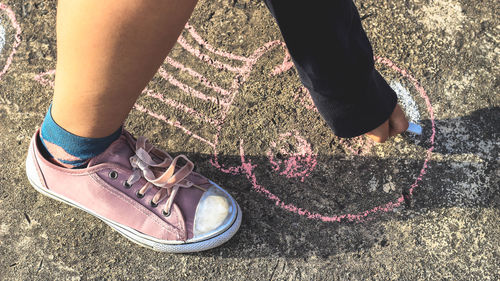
point(69, 150)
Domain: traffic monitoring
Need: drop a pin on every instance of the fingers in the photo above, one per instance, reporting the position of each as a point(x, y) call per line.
point(380, 134)
point(396, 124)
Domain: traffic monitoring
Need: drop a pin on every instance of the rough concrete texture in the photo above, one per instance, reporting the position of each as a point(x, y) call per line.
point(416, 208)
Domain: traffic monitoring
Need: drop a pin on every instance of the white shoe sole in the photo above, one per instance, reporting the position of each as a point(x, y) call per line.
point(132, 234)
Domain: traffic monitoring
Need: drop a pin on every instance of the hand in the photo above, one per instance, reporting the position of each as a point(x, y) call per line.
point(396, 124)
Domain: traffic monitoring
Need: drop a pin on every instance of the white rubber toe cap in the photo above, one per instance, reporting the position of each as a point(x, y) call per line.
point(216, 212)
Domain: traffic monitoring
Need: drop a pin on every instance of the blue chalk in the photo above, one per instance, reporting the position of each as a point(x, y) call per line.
point(415, 128)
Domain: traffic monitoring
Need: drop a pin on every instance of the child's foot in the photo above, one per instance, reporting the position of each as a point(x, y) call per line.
point(69, 150)
point(142, 193)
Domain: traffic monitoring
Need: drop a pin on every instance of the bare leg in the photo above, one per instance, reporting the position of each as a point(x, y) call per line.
point(107, 51)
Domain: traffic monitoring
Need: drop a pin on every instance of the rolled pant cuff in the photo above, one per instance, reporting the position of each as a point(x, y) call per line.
point(369, 110)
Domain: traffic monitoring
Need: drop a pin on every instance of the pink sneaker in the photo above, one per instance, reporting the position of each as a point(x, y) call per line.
point(144, 194)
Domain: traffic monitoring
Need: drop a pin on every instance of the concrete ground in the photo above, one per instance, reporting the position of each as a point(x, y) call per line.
point(315, 207)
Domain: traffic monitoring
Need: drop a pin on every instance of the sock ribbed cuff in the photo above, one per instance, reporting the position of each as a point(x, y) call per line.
point(68, 149)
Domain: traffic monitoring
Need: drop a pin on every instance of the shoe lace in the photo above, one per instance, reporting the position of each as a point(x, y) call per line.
point(168, 182)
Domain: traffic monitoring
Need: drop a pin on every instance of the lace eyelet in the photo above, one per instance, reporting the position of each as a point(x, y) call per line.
point(165, 213)
point(139, 195)
point(126, 184)
point(113, 175)
point(153, 204)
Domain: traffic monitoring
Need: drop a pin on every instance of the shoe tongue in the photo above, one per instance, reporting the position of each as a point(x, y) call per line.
point(119, 152)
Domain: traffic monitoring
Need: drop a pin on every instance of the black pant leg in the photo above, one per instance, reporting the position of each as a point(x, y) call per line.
point(335, 62)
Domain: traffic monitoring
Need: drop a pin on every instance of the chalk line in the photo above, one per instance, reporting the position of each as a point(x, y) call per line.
point(210, 48)
point(205, 58)
point(44, 78)
point(2, 36)
point(176, 124)
point(189, 90)
point(17, 37)
point(248, 169)
point(405, 99)
point(180, 106)
point(298, 164)
point(202, 79)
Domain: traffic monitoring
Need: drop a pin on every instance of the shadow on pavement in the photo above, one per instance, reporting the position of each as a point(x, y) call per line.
point(268, 230)
point(341, 185)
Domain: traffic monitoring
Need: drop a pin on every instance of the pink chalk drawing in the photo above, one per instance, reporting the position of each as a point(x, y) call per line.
point(299, 164)
point(46, 78)
point(17, 37)
point(300, 160)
